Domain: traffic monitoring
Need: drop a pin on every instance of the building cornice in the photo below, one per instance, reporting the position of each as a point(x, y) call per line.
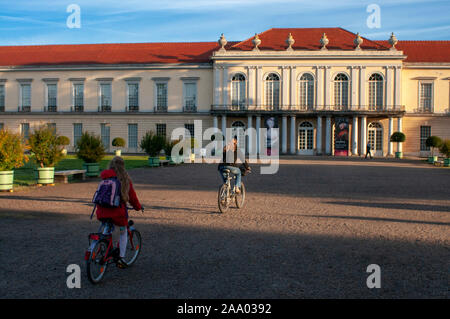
point(426, 65)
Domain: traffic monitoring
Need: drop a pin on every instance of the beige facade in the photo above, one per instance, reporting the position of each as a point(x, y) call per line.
point(399, 106)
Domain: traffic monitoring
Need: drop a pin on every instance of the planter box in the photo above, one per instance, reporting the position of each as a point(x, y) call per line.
point(6, 180)
point(92, 169)
point(432, 159)
point(153, 161)
point(398, 154)
point(447, 162)
point(45, 175)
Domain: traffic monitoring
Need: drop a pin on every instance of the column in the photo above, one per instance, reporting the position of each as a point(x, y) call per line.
point(397, 86)
point(391, 131)
point(251, 86)
point(258, 126)
point(355, 136)
point(354, 84)
point(249, 135)
point(293, 100)
point(399, 129)
point(319, 136)
point(293, 142)
point(284, 135)
point(362, 88)
point(388, 88)
point(319, 87)
point(224, 127)
point(216, 72)
point(215, 122)
point(285, 87)
point(225, 88)
point(328, 136)
point(326, 101)
point(363, 134)
point(258, 86)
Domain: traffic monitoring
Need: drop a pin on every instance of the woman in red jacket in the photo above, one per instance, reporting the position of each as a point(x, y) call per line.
point(119, 214)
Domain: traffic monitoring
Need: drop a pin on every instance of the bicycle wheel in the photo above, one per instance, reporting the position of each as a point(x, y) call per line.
point(134, 246)
point(96, 265)
point(223, 199)
point(240, 198)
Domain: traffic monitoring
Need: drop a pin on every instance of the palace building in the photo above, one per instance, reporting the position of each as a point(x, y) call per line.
point(328, 90)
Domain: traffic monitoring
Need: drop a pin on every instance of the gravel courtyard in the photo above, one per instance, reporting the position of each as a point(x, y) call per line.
point(310, 231)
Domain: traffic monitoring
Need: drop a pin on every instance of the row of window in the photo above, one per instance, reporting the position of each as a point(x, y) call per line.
point(306, 92)
point(105, 96)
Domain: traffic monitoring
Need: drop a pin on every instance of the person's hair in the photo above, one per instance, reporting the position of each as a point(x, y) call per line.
point(118, 165)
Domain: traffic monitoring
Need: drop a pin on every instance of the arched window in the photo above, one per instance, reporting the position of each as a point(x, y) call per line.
point(238, 129)
point(238, 92)
point(305, 138)
point(341, 91)
point(306, 91)
point(375, 92)
point(272, 91)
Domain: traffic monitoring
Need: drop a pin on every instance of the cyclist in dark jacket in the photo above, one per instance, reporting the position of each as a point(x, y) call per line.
point(231, 151)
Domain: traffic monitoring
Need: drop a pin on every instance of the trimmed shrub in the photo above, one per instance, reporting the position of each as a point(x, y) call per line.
point(445, 148)
point(398, 137)
point(12, 151)
point(433, 142)
point(44, 145)
point(90, 148)
point(118, 142)
point(63, 140)
point(152, 144)
point(169, 146)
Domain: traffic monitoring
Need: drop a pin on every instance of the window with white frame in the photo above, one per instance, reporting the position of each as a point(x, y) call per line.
point(25, 97)
point(161, 129)
point(132, 136)
point(306, 91)
point(238, 91)
point(375, 92)
point(341, 91)
point(105, 129)
point(52, 92)
point(25, 131)
point(2, 97)
point(190, 96)
point(425, 132)
point(105, 97)
point(77, 132)
point(133, 96)
point(272, 91)
point(426, 97)
point(78, 97)
point(161, 96)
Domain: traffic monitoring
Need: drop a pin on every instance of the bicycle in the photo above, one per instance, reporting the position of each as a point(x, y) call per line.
point(227, 193)
point(101, 251)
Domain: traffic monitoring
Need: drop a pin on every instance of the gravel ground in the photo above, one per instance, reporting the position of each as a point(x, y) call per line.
point(310, 231)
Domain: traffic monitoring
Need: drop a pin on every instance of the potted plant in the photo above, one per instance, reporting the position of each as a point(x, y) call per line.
point(90, 149)
point(47, 152)
point(12, 155)
point(118, 142)
point(433, 142)
point(445, 150)
point(64, 141)
point(398, 137)
point(152, 144)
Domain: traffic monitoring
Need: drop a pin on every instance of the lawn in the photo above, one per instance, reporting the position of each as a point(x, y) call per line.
point(25, 175)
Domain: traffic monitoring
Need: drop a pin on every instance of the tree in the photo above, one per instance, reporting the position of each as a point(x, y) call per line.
point(433, 142)
point(45, 146)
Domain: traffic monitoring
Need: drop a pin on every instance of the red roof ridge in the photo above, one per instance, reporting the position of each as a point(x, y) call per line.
point(365, 39)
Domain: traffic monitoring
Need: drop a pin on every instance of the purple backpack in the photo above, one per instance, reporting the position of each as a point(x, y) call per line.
point(108, 193)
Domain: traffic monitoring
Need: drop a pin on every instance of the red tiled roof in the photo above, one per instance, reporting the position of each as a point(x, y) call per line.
point(308, 39)
point(423, 51)
point(121, 53)
point(200, 52)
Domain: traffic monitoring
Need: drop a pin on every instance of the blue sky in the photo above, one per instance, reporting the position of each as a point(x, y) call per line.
point(24, 22)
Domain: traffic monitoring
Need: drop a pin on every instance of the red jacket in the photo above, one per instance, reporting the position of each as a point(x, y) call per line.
point(118, 212)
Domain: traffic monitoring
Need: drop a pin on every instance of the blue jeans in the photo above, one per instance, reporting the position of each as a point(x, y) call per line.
point(235, 170)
